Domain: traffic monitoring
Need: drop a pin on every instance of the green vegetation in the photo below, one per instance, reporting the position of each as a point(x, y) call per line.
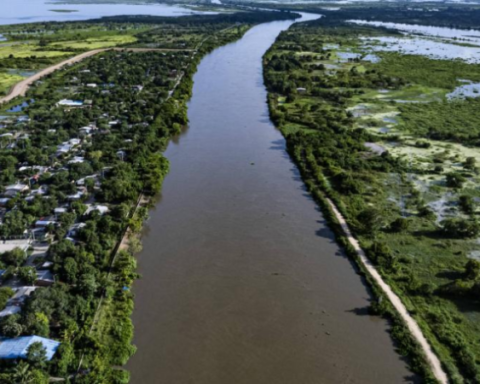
point(400, 162)
point(7, 80)
point(436, 120)
point(87, 170)
point(428, 72)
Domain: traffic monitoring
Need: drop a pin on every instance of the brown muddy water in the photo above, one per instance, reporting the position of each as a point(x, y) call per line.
point(242, 282)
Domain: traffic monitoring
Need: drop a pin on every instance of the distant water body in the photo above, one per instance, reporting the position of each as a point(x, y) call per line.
point(31, 11)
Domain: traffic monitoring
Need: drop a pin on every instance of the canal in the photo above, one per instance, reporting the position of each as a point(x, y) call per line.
point(242, 282)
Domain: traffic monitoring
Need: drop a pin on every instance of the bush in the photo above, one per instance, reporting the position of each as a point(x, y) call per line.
point(400, 225)
point(455, 180)
point(467, 204)
point(460, 228)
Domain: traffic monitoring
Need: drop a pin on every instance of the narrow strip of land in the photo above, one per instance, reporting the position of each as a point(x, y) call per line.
point(412, 325)
point(21, 88)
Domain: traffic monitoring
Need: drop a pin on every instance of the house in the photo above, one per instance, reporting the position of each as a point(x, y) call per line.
point(74, 142)
point(45, 278)
point(10, 310)
point(121, 155)
point(76, 160)
point(81, 191)
point(59, 211)
point(37, 192)
point(17, 348)
point(63, 148)
point(70, 103)
point(74, 229)
point(15, 189)
point(102, 209)
point(20, 295)
point(46, 265)
point(45, 222)
point(87, 130)
point(81, 182)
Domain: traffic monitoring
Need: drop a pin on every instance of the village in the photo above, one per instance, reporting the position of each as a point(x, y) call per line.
point(59, 176)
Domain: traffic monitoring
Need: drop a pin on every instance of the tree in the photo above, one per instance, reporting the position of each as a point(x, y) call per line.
point(371, 220)
point(15, 257)
point(22, 373)
point(14, 223)
point(460, 228)
point(400, 225)
point(467, 204)
point(472, 270)
point(27, 275)
point(455, 180)
point(470, 163)
point(11, 326)
point(87, 285)
point(36, 354)
point(5, 294)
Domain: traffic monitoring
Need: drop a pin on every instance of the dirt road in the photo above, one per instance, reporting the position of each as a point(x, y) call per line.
point(412, 325)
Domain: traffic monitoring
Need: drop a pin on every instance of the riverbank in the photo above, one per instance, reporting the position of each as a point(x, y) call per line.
point(355, 119)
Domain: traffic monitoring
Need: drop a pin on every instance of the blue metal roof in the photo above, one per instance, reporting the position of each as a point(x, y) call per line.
point(17, 348)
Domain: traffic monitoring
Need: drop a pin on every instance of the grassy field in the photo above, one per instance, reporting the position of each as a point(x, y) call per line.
point(94, 43)
point(7, 80)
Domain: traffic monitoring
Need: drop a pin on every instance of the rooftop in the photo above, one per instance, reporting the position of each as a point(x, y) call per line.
point(17, 348)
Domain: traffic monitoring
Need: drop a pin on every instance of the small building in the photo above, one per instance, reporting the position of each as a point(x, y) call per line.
point(74, 229)
point(70, 103)
point(21, 294)
point(301, 90)
point(92, 85)
point(76, 160)
point(15, 189)
point(45, 278)
point(17, 348)
point(59, 211)
point(10, 310)
point(101, 209)
point(45, 222)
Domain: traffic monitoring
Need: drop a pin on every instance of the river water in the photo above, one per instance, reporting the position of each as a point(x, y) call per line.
point(242, 281)
point(31, 11)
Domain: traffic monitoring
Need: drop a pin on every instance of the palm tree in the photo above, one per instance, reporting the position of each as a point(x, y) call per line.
point(22, 374)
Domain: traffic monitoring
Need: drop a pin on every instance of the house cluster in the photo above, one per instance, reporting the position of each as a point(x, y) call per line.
point(76, 147)
point(33, 183)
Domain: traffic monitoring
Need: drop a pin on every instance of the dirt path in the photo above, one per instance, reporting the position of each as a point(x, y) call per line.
point(412, 325)
point(21, 88)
